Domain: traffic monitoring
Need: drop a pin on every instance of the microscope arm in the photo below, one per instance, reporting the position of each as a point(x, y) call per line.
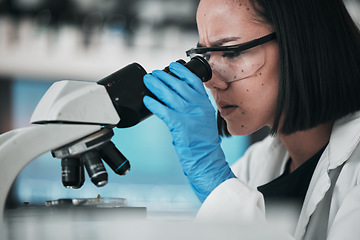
point(19, 147)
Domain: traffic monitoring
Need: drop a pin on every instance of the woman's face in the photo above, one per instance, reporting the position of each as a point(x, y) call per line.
point(249, 103)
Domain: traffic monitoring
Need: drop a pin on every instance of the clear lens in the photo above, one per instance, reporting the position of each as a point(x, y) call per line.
point(232, 66)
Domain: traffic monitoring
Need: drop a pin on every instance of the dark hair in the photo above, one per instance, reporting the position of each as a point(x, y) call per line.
point(319, 48)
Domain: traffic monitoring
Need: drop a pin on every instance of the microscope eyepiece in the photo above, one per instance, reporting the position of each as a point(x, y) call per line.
point(200, 67)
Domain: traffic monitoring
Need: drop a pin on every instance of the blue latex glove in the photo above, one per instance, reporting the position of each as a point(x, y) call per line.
point(192, 122)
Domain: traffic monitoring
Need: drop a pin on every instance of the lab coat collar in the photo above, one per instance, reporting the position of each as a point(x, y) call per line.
point(344, 138)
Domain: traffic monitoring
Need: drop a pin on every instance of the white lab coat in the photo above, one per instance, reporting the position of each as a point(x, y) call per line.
point(238, 200)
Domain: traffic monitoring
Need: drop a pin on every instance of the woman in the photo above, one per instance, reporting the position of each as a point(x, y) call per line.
point(288, 64)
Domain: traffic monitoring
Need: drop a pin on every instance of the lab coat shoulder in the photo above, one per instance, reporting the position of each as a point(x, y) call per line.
point(237, 199)
point(342, 155)
point(262, 162)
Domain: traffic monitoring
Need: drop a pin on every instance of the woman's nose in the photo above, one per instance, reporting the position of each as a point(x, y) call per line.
point(216, 82)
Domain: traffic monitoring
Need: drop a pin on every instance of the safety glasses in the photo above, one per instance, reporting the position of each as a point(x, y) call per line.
point(235, 62)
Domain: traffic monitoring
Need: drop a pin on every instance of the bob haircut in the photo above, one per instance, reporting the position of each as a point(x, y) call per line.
point(319, 49)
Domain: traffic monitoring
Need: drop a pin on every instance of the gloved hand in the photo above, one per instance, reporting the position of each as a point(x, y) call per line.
point(192, 122)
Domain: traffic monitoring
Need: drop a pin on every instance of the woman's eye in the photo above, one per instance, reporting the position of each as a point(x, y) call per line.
point(231, 55)
point(206, 56)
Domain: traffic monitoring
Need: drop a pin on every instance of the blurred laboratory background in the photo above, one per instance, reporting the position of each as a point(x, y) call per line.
point(42, 41)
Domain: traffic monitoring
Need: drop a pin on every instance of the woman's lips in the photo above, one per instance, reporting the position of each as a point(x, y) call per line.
point(226, 109)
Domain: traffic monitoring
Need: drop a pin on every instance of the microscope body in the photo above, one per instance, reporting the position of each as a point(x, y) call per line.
point(69, 111)
point(74, 120)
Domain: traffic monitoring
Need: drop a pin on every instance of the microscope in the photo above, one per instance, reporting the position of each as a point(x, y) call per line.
point(74, 120)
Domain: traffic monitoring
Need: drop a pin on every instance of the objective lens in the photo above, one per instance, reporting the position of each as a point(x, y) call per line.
point(114, 158)
point(72, 173)
point(95, 168)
